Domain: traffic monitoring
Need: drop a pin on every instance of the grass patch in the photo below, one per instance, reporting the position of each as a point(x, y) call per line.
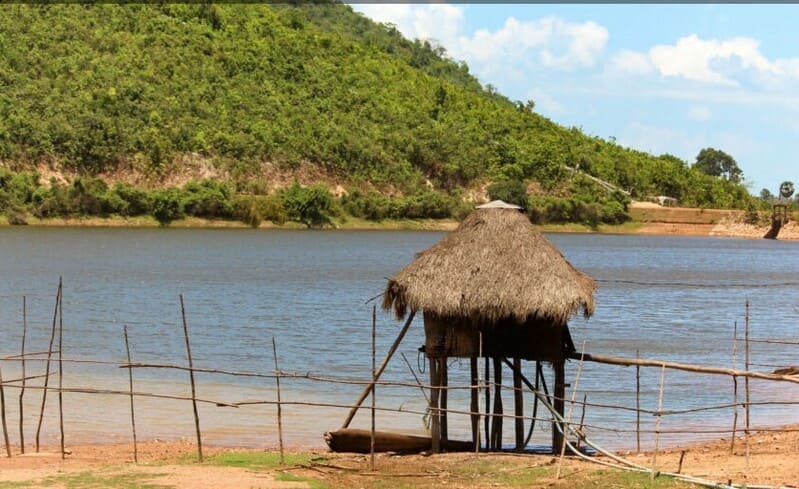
point(312, 483)
point(91, 480)
point(259, 460)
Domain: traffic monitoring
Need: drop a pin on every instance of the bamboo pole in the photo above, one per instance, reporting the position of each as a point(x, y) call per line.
point(476, 398)
point(380, 370)
point(132, 412)
point(627, 362)
point(582, 420)
point(61, 371)
point(654, 472)
point(558, 393)
point(435, 424)
point(3, 415)
point(22, 388)
point(374, 389)
point(734, 388)
point(443, 375)
point(488, 415)
point(637, 404)
point(475, 403)
point(279, 405)
point(47, 366)
point(191, 378)
point(746, 388)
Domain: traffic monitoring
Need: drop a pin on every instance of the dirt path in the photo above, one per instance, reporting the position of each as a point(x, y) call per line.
point(772, 462)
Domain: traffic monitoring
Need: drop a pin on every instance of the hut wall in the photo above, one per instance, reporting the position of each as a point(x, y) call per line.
point(529, 340)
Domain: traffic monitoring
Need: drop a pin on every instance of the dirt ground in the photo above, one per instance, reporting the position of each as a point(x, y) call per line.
point(771, 462)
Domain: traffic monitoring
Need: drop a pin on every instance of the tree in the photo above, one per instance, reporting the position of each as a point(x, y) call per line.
point(510, 191)
point(765, 194)
point(717, 163)
point(308, 205)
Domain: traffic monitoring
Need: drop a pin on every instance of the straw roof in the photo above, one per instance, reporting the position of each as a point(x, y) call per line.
point(494, 266)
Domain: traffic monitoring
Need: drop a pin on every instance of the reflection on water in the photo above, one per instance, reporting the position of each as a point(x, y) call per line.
point(676, 299)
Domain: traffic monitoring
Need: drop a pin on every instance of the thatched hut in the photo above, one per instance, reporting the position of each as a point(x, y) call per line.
point(494, 288)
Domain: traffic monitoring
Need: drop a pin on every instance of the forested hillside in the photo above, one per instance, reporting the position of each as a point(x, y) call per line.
point(98, 88)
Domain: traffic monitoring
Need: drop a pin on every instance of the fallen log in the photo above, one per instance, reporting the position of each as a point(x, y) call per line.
point(359, 441)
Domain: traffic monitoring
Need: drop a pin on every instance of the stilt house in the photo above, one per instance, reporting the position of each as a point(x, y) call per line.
point(497, 289)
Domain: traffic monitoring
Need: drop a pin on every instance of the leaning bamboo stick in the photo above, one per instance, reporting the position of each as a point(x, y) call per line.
point(746, 388)
point(191, 378)
point(637, 405)
point(374, 389)
point(22, 389)
point(380, 370)
point(569, 416)
point(47, 366)
point(132, 411)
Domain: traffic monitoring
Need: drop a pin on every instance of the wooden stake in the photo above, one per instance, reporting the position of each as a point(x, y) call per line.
point(279, 407)
point(637, 405)
point(374, 382)
point(3, 415)
point(654, 472)
point(191, 378)
point(558, 393)
point(132, 412)
point(47, 365)
point(518, 404)
point(679, 465)
point(61, 370)
point(380, 370)
point(22, 388)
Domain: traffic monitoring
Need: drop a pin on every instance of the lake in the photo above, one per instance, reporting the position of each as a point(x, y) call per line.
point(669, 298)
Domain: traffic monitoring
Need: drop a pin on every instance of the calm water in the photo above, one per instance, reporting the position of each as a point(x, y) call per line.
point(675, 299)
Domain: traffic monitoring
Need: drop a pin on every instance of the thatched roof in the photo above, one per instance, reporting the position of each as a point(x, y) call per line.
point(494, 266)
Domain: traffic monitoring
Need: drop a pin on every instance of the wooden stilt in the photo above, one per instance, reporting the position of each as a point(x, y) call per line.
point(488, 416)
point(61, 371)
point(559, 392)
point(374, 389)
point(279, 405)
point(443, 381)
point(496, 428)
point(518, 404)
point(435, 419)
point(475, 405)
point(380, 370)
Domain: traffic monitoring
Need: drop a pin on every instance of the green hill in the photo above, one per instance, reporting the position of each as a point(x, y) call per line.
point(110, 88)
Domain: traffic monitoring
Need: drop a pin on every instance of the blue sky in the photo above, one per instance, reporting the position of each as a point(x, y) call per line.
point(658, 78)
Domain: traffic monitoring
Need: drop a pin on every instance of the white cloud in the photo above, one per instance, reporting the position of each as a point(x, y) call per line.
point(631, 62)
point(440, 22)
point(545, 103)
point(711, 61)
point(700, 113)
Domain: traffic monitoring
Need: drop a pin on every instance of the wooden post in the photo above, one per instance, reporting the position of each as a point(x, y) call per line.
point(475, 404)
point(374, 382)
point(191, 378)
point(279, 407)
point(47, 365)
point(637, 405)
point(558, 393)
point(496, 428)
point(132, 412)
point(442, 400)
point(380, 370)
point(518, 404)
point(435, 425)
point(654, 472)
point(61, 370)
point(22, 388)
point(3, 415)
